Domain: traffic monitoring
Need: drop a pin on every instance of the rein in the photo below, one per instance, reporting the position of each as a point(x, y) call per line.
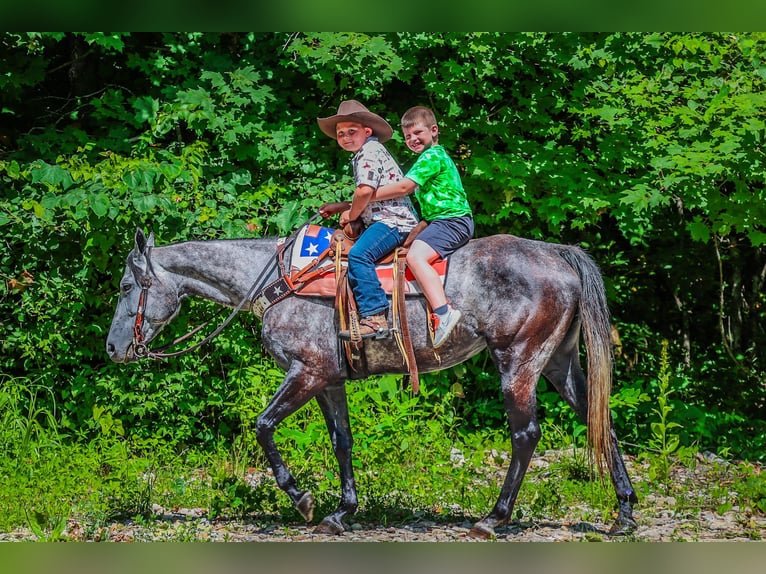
point(140, 347)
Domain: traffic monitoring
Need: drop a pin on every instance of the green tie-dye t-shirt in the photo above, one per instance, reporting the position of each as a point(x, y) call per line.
point(440, 192)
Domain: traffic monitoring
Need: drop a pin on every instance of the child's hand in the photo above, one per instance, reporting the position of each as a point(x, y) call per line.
point(330, 209)
point(344, 217)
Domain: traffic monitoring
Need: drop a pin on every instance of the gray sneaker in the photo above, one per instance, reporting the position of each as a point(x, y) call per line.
point(443, 326)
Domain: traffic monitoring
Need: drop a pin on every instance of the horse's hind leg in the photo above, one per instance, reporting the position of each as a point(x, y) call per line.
point(519, 385)
point(334, 407)
point(565, 374)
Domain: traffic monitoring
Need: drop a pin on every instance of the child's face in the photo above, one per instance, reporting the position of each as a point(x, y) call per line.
point(420, 137)
point(351, 135)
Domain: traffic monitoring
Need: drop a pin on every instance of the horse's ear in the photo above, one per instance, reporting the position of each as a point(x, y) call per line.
point(142, 242)
point(140, 251)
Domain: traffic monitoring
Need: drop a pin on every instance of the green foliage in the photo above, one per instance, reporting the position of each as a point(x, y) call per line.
point(236, 498)
point(47, 528)
point(664, 441)
point(751, 486)
point(644, 148)
point(27, 426)
point(440, 476)
point(342, 61)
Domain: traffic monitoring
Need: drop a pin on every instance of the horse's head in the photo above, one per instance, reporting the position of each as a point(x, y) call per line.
point(148, 301)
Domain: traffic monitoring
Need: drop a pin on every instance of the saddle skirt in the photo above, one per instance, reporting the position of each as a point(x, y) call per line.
point(313, 240)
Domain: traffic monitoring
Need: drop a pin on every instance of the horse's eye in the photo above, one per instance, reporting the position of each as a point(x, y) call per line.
point(125, 288)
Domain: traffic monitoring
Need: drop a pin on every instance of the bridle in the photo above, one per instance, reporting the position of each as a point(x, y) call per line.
point(140, 347)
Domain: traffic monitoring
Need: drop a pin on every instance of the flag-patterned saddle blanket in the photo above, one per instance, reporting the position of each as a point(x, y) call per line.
point(314, 240)
point(311, 264)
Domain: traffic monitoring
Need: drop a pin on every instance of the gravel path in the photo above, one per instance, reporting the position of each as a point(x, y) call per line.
point(659, 517)
point(707, 526)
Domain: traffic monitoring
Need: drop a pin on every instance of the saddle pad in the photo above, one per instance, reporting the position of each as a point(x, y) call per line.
point(312, 240)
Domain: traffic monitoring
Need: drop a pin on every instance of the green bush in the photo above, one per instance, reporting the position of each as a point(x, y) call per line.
point(643, 148)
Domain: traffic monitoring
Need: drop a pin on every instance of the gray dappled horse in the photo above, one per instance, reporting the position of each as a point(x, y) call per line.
point(525, 301)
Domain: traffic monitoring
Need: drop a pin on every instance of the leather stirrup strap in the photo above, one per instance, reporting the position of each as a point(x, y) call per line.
point(431, 330)
point(347, 314)
point(401, 328)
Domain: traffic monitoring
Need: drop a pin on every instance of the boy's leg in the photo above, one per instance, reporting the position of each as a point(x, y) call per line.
point(440, 239)
point(377, 241)
point(445, 318)
point(419, 258)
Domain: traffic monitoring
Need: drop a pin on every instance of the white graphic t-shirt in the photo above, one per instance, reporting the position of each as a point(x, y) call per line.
point(375, 166)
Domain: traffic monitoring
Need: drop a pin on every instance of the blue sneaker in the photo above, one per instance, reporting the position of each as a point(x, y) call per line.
point(443, 326)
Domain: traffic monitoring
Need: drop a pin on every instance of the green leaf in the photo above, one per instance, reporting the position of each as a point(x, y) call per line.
point(663, 162)
point(52, 175)
point(140, 179)
point(145, 203)
point(756, 237)
point(12, 169)
point(699, 231)
point(99, 203)
point(288, 217)
point(113, 41)
point(146, 109)
point(73, 198)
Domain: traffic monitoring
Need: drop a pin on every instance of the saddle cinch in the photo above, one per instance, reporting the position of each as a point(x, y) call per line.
point(318, 267)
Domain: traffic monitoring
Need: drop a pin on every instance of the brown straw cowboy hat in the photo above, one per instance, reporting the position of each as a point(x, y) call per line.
point(353, 111)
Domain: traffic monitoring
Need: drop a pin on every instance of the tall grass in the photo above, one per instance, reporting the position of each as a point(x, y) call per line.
point(413, 458)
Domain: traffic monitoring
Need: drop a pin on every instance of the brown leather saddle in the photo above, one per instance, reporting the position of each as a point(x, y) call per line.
point(333, 261)
point(348, 315)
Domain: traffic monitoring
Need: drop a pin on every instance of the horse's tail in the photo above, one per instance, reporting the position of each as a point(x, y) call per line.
point(596, 328)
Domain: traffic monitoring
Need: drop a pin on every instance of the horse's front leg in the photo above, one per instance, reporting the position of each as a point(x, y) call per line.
point(299, 386)
point(332, 401)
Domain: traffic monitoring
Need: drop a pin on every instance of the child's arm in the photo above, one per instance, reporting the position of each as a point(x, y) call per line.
point(362, 196)
point(329, 209)
point(394, 190)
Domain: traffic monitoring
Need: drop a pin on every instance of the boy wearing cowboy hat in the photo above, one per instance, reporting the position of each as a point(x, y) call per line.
point(387, 222)
point(435, 180)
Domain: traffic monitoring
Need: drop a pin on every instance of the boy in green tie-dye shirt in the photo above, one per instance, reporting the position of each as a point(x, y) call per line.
point(443, 204)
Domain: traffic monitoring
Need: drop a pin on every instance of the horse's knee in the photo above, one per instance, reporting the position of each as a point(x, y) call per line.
point(342, 449)
point(340, 435)
point(264, 430)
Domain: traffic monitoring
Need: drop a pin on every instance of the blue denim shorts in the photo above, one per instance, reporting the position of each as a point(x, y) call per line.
point(446, 236)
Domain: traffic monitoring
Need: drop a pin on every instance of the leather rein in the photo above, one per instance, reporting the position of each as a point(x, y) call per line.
point(140, 347)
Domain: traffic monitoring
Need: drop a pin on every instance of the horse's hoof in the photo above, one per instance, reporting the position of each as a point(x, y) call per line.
point(306, 506)
point(329, 526)
point(482, 531)
point(623, 527)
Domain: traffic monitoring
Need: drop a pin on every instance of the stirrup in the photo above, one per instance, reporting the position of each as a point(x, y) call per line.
point(379, 334)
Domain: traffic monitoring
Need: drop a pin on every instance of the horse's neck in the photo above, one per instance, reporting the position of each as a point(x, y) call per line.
point(219, 270)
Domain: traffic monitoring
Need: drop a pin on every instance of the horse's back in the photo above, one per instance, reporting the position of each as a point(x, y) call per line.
point(501, 283)
point(497, 264)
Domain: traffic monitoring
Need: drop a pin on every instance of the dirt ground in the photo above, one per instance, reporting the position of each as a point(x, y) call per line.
point(660, 518)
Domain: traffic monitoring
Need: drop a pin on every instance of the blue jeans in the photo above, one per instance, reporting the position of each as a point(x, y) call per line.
point(377, 240)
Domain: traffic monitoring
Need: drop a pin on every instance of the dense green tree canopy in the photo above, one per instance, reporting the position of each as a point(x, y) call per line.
point(647, 148)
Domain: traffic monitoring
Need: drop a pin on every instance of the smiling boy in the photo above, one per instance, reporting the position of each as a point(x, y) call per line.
point(443, 204)
point(387, 222)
